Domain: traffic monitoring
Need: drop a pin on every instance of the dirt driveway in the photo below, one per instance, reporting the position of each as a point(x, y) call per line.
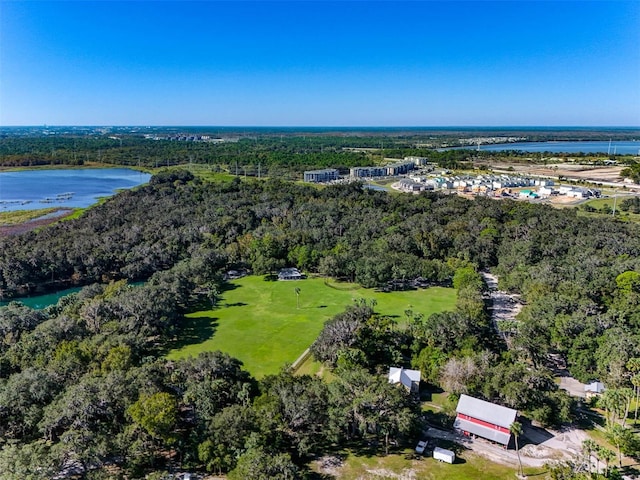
point(538, 446)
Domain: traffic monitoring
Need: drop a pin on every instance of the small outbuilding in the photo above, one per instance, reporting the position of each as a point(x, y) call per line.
point(409, 378)
point(593, 389)
point(484, 419)
point(290, 274)
point(444, 455)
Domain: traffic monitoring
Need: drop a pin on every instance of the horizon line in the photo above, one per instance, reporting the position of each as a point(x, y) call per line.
point(311, 126)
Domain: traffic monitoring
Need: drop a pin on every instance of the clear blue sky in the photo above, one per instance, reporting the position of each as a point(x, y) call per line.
point(304, 63)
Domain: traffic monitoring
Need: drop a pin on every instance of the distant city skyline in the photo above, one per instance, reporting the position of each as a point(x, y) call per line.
point(305, 63)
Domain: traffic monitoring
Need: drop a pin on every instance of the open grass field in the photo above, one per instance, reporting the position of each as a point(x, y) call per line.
point(468, 466)
point(601, 202)
point(258, 322)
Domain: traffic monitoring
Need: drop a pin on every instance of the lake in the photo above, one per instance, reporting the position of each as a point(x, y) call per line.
point(72, 188)
point(622, 147)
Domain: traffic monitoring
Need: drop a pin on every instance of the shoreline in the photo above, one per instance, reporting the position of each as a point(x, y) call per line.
point(47, 218)
point(86, 166)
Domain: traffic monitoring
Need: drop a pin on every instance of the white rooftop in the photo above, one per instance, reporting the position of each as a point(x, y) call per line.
point(403, 375)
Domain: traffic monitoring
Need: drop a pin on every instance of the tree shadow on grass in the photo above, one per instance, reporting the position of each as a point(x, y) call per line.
point(228, 286)
point(192, 331)
point(632, 471)
point(364, 447)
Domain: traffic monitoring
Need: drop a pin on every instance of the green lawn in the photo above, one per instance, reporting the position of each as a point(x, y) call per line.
point(468, 466)
point(257, 321)
point(601, 202)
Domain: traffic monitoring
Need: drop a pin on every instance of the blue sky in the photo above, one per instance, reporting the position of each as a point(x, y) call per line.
point(305, 63)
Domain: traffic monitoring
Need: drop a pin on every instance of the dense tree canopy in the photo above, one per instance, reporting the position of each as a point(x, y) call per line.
point(84, 383)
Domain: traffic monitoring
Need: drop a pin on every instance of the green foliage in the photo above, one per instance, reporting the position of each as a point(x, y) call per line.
point(90, 376)
point(157, 414)
point(28, 462)
point(257, 464)
point(228, 434)
point(364, 405)
point(467, 277)
point(628, 282)
point(632, 172)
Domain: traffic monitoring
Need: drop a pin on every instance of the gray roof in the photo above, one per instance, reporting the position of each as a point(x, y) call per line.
point(595, 387)
point(486, 411)
point(482, 431)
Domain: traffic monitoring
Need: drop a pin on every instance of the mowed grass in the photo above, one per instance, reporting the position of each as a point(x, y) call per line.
point(468, 466)
point(610, 201)
point(257, 321)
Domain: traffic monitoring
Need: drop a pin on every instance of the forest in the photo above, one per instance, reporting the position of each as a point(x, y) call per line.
point(85, 388)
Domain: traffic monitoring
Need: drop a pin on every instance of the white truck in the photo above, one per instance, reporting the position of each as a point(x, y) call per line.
point(444, 455)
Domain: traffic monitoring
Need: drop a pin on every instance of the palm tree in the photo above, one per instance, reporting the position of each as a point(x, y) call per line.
point(616, 435)
point(516, 430)
point(609, 401)
point(633, 365)
point(607, 456)
point(588, 447)
point(636, 384)
point(626, 395)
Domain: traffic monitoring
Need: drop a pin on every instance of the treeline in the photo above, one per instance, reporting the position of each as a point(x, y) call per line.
point(264, 151)
point(296, 153)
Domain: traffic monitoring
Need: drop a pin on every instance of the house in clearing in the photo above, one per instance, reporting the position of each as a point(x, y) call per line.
point(290, 274)
point(410, 379)
point(484, 419)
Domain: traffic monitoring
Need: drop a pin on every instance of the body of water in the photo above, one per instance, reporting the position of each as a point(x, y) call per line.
point(42, 301)
point(77, 188)
point(623, 148)
point(374, 187)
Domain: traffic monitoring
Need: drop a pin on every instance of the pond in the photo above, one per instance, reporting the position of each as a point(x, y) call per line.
point(71, 188)
point(42, 301)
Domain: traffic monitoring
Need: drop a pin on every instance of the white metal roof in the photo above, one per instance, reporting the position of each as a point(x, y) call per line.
point(595, 387)
point(486, 411)
point(404, 376)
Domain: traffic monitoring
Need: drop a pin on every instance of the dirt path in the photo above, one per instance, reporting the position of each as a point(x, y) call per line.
point(504, 306)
